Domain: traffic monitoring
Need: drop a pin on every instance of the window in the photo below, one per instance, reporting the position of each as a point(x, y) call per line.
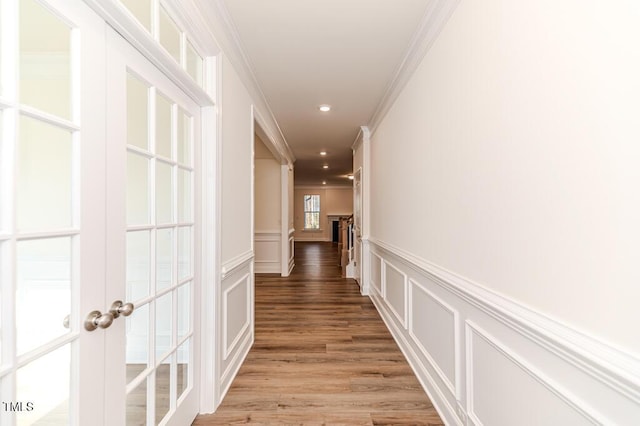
point(311, 212)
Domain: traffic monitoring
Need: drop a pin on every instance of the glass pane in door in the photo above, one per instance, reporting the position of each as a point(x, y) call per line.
point(138, 194)
point(41, 198)
point(164, 193)
point(183, 361)
point(160, 257)
point(163, 126)
point(184, 138)
point(49, 398)
point(44, 176)
point(43, 290)
point(163, 389)
point(138, 265)
point(137, 113)
point(137, 351)
point(137, 405)
point(45, 60)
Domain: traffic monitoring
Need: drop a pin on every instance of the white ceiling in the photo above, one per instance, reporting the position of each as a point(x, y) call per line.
point(304, 53)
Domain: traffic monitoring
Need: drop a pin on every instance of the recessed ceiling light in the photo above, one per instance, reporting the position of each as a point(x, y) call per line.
point(324, 182)
point(325, 108)
point(323, 152)
point(326, 166)
point(350, 177)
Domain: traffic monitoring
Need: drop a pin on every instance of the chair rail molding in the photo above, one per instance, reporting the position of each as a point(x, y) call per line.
point(462, 339)
point(232, 265)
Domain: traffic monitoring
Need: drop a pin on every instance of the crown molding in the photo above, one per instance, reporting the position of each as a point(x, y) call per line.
point(435, 17)
point(363, 135)
point(225, 33)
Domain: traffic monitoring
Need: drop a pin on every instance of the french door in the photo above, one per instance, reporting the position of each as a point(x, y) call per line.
point(153, 143)
point(98, 218)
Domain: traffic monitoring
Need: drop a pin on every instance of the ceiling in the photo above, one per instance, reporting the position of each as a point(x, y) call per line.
point(305, 53)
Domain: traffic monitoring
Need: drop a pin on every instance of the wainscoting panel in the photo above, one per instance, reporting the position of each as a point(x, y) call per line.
point(235, 317)
point(235, 321)
point(433, 324)
point(267, 252)
point(492, 366)
point(486, 360)
point(395, 292)
point(376, 273)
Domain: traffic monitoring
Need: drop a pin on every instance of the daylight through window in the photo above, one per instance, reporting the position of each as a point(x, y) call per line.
point(311, 212)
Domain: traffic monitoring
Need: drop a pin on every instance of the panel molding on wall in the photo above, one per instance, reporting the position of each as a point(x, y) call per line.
point(568, 375)
point(391, 288)
point(267, 251)
point(567, 401)
point(235, 336)
point(452, 383)
point(230, 346)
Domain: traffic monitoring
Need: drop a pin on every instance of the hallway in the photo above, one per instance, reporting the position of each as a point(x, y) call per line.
point(322, 355)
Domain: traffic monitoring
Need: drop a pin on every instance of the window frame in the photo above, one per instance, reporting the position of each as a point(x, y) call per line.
point(311, 211)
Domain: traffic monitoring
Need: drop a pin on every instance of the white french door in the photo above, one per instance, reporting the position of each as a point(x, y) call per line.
point(152, 216)
point(98, 184)
point(52, 212)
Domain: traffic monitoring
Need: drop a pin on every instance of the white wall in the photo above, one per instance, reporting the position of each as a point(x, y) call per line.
point(237, 152)
point(235, 321)
point(509, 163)
point(267, 190)
point(515, 146)
point(334, 201)
point(268, 206)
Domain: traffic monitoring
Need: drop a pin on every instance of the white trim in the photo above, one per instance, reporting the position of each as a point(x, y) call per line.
point(435, 17)
point(223, 30)
point(267, 235)
point(228, 348)
point(234, 365)
point(401, 318)
point(284, 220)
point(455, 388)
point(266, 259)
point(599, 380)
point(118, 17)
point(558, 390)
point(422, 374)
point(605, 363)
point(378, 290)
point(230, 266)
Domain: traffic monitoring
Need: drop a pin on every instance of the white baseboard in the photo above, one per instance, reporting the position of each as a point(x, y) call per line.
point(484, 359)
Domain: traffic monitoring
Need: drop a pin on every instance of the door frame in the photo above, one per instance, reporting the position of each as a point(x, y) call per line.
point(116, 16)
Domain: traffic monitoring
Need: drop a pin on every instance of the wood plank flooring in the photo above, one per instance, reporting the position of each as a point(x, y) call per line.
point(322, 355)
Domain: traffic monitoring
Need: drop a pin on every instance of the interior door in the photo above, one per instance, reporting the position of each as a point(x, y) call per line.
point(153, 219)
point(51, 213)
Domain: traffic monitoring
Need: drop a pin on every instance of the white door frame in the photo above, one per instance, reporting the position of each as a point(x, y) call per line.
point(120, 19)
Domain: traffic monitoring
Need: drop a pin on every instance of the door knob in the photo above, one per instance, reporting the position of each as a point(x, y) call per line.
point(118, 308)
point(96, 319)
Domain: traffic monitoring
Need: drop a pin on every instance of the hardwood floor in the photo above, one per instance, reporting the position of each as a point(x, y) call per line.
point(322, 355)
